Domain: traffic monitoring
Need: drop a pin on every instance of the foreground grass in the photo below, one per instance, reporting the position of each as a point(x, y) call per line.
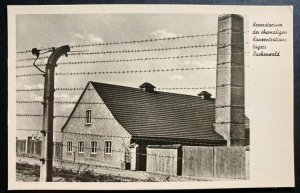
point(27, 173)
point(30, 173)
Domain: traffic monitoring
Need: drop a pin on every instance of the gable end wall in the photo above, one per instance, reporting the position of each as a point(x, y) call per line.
point(100, 130)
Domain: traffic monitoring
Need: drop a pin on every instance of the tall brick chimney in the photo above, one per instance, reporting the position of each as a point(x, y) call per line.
point(230, 91)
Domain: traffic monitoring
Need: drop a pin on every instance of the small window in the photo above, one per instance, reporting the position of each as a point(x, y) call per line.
point(94, 147)
point(69, 146)
point(107, 147)
point(80, 147)
point(88, 117)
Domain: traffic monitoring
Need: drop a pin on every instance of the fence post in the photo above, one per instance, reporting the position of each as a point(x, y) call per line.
point(47, 131)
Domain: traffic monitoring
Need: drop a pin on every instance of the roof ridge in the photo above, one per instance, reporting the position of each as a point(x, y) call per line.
point(195, 96)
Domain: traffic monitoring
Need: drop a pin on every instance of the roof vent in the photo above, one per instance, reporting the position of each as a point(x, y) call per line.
point(147, 87)
point(205, 95)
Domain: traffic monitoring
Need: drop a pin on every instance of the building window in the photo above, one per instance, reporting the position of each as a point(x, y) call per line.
point(94, 147)
point(69, 146)
point(107, 147)
point(88, 117)
point(80, 147)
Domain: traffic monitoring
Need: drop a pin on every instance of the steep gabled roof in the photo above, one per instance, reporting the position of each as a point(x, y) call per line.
point(159, 114)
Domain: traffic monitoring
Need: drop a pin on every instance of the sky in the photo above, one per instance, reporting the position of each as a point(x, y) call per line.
point(52, 30)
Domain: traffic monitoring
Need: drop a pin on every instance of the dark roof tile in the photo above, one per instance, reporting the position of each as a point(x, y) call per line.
point(159, 114)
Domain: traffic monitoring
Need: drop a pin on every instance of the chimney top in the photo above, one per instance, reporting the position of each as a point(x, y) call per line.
point(147, 87)
point(205, 95)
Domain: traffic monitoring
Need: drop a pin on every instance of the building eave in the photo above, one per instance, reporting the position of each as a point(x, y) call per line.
point(206, 142)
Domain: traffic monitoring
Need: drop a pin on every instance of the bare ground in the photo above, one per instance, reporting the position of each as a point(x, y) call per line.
point(28, 171)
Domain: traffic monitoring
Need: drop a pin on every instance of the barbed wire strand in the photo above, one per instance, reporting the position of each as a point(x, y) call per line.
point(61, 116)
point(138, 41)
point(81, 88)
point(77, 89)
point(107, 118)
point(140, 50)
point(124, 71)
point(112, 150)
point(110, 136)
point(130, 51)
point(29, 59)
point(115, 103)
point(131, 59)
point(171, 140)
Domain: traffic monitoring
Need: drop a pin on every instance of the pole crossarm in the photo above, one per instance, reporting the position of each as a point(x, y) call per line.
point(57, 53)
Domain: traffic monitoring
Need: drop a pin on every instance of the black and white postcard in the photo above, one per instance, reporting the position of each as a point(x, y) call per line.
point(150, 97)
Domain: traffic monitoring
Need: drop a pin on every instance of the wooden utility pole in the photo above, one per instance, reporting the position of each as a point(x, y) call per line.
point(47, 130)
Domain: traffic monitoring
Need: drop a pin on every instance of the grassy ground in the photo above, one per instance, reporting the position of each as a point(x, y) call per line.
point(27, 173)
point(30, 173)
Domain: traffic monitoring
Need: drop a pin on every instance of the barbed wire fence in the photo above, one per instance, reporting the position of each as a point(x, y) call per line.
point(135, 62)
